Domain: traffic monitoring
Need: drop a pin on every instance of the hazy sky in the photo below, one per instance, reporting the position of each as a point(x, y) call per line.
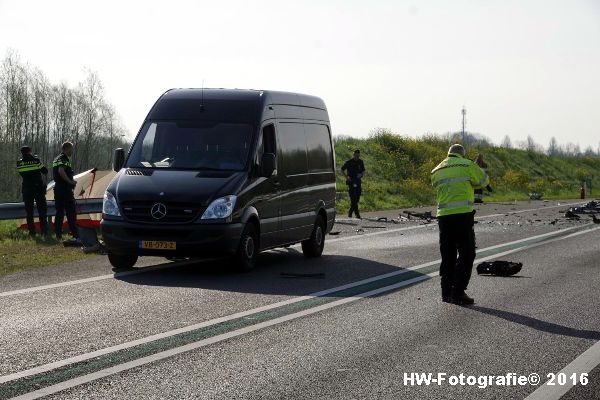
point(520, 67)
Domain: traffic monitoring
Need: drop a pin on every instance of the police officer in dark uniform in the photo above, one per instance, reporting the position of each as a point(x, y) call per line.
point(64, 199)
point(31, 170)
point(353, 170)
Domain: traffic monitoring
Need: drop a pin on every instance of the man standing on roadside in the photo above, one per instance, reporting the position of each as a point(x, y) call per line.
point(64, 199)
point(454, 179)
point(31, 170)
point(353, 171)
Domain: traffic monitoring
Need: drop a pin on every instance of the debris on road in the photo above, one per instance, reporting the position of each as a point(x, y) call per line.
point(499, 268)
point(535, 196)
point(335, 233)
point(427, 215)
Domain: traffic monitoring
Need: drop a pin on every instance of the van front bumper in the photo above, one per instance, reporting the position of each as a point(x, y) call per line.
point(192, 240)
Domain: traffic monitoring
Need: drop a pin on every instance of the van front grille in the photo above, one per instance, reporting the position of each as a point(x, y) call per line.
point(167, 212)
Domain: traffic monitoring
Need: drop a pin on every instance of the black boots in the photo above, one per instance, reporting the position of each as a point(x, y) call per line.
point(456, 297)
point(461, 298)
point(447, 294)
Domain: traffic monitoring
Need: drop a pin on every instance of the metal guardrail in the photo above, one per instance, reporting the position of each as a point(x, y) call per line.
point(17, 210)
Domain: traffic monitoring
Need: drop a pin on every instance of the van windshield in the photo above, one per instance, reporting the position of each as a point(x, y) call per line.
point(192, 145)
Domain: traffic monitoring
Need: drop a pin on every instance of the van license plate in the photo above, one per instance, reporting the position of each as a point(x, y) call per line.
point(157, 245)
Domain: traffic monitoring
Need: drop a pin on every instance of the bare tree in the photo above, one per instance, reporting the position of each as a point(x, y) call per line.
point(35, 112)
point(506, 143)
point(553, 147)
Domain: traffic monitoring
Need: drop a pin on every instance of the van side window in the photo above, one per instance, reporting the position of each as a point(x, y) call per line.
point(267, 144)
point(293, 148)
point(268, 140)
point(318, 145)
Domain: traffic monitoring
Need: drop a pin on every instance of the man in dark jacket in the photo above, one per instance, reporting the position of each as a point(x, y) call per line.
point(353, 170)
point(64, 199)
point(31, 170)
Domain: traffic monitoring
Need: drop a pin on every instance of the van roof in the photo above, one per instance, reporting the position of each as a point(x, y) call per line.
point(267, 96)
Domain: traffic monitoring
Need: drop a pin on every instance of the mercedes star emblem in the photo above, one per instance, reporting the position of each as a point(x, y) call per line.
point(158, 211)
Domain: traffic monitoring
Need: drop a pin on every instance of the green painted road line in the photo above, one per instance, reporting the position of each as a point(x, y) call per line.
point(35, 382)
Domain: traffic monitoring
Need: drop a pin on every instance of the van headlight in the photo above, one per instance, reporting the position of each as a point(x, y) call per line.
point(220, 208)
point(110, 206)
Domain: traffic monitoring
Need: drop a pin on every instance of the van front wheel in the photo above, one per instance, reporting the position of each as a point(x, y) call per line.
point(313, 247)
point(122, 262)
point(245, 258)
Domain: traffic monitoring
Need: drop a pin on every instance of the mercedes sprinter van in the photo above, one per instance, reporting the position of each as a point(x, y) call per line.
point(217, 172)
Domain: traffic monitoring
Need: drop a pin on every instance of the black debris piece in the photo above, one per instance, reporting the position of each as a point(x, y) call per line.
point(382, 219)
point(499, 268)
point(571, 214)
point(424, 215)
point(535, 196)
point(334, 233)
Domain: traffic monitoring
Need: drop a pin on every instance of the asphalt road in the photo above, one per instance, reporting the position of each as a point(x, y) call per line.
point(348, 325)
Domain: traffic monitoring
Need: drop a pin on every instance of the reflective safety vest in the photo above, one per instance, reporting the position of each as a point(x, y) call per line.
point(455, 178)
point(31, 169)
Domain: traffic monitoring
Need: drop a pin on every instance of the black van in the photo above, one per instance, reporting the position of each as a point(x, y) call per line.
point(217, 172)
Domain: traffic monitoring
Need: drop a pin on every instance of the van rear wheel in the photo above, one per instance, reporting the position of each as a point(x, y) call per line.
point(245, 258)
point(122, 262)
point(313, 247)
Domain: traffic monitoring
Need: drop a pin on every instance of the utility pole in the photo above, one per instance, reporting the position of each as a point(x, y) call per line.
point(464, 123)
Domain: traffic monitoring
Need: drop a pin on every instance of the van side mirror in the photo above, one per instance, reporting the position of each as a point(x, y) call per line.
point(118, 159)
point(267, 165)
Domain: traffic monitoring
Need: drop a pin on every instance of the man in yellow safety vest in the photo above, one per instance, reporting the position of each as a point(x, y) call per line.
point(455, 178)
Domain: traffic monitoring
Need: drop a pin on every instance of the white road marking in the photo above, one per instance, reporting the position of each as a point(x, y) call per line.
point(137, 271)
point(169, 265)
point(586, 362)
point(126, 345)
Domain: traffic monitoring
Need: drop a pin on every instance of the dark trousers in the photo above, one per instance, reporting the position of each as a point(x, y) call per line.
point(37, 195)
point(65, 204)
point(456, 236)
point(354, 191)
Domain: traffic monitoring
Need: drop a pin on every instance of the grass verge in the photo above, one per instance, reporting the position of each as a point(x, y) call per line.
point(19, 251)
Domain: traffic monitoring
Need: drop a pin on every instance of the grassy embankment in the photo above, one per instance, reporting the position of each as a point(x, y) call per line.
point(18, 251)
point(398, 170)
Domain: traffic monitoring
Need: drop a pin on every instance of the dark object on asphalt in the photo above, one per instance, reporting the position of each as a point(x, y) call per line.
point(382, 219)
point(425, 215)
point(499, 268)
point(375, 227)
point(535, 196)
point(360, 231)
point(571, 214)
point(554, 222)
point(334, 233)
point(595, 219)
point(302, 275)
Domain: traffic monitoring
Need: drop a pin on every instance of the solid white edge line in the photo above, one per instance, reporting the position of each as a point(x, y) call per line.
point(108, 350)
point(100, 277)
point(584, 363)
point(176, 264)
